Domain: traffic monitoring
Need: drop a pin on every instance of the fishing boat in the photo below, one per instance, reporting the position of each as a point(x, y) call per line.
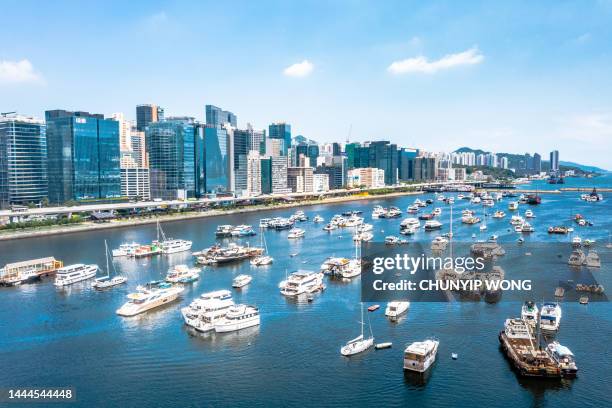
point(238, 317)
point(241, 281)
point(145, 299)
point(295, 233)
point(530, 313)
point(359, 344)
point(395, 309)
point(105, 282)
point(420, 355)
point(71, 274)
point(550, 317)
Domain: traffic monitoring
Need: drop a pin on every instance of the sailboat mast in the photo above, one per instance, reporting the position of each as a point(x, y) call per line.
point(106, 256)
point(362, 323)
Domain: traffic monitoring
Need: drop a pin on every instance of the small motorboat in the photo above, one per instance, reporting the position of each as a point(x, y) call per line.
point(381, 346)
point(454, 356)
point(373, 308)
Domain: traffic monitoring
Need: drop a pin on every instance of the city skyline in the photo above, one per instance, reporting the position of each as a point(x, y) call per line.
point(373, 72)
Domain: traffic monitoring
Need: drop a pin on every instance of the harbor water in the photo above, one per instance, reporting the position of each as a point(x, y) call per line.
point(72, 337)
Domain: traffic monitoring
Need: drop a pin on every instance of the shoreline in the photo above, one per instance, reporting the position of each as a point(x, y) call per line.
point(89, 226)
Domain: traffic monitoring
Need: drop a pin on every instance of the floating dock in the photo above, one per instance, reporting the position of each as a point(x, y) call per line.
point(13, 273)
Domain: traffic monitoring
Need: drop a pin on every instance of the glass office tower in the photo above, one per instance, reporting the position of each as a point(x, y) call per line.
point(23, 160)
point(176, 159)
point(146, 114)
point(83, 156)
point(219, 169)
point(281, 131)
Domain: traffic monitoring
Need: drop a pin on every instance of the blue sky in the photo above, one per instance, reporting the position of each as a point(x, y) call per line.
point(503, 76)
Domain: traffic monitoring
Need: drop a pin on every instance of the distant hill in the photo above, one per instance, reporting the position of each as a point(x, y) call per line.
point(583, 167)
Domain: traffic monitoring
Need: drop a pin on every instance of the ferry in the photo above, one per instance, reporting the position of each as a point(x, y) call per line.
point(203, 311)
point(145, 299)
point(420, 355)
point(550, 317)
point(241, 281)
point(74, 273)
point(396, 309)
point(300, 282)
point(238, 317)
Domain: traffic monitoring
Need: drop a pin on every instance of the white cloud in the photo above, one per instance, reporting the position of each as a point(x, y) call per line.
point(421, 64)
point(299, 70)
point(18, 72)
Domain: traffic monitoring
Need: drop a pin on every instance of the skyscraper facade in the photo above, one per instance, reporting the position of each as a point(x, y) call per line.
point(383, 155)
point(146, 114)
point(175, 148)
point(405, 163)
point(216, 116)
point(23, 160)
point(219, 159)
point(554, 160)
point(281, 131)
point(83, 156)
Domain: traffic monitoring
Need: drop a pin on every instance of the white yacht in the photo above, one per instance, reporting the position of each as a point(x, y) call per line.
point(301, 282)
point(352, 269)
point(147, 299)
point(437, 211)
point(529, 313)
point(517, 220)
point(203, 311)
point(513, 206)
point(550, 317)
point(170, 245)
point(125, 249)
point(238, 317)
point(396, 309)
point(432, 225)
point(410, 222)
point(439, 243)
point(318, 219)
point(296, 233)
point(358, 344)
point(330, 227)
point(262, 260)
point(74, 273)
point(365, 228)
point(420, 355)
point(378, 212)
point(241, 281)
point(182, 272)
point(499, 214)
point(353, 221)
point(529, 214)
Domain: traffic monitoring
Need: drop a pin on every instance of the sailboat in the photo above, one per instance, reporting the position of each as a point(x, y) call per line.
point(483, 226)
point(358, 344)
point(105, 282)
point(170, 245)
point(264, 258)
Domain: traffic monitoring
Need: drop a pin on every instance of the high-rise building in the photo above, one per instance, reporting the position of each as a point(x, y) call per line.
point(135, 183)
point(383, 155)
point(216, 116)
point(83, 156)
point(175, 148)
point(146, 114)
point(537, 163)
point(299, 179)
point(275, 147)
point(336, 149)
point(23, 158)
point(281, 131)
point(503, 162)
point(425, 168)
point(554, 160)
point(274, 175)
point(336, 169)
point(320, 183)
point(219, 159)
point(405, 163)
point(367, 177)
point(254, 173)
